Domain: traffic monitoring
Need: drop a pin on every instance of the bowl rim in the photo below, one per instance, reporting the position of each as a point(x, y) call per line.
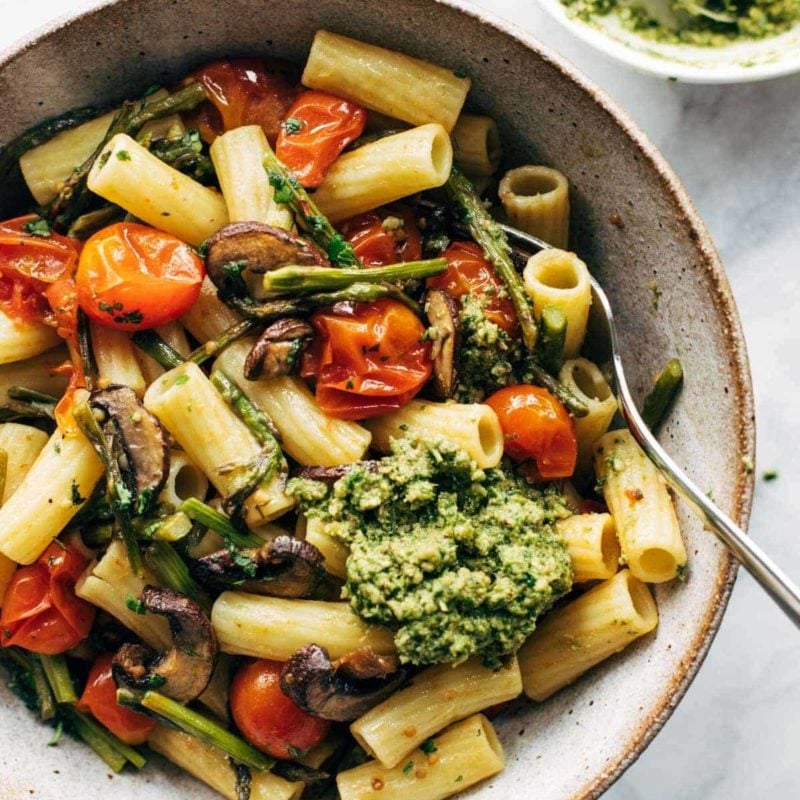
point(664, 67)
point(721, 296)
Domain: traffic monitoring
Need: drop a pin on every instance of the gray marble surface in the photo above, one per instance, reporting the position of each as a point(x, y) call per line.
point(736, 734)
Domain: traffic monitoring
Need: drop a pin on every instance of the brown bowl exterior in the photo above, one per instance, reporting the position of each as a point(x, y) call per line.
point(659, 267)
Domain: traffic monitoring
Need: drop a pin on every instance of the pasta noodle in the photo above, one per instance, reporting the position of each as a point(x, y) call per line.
point(593, 546)
point(386, 170)
point(561, 279)
point(333, 551)
point(473, 428)
point(271, 627)
point(35, 373)
point(185, 480)
point(175, 336)
point(436, 697)
point(21, 339)
point(637, 497)
point(116, 358)
point(536, 200)
point(476, 145)
point(392, 83)
point(209, 316)
point(580, 635)
point(466, 753)
point(130, 176)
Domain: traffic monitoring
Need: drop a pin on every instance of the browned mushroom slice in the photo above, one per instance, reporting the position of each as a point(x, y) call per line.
point(277, 349)
point(332, 474)
point(183, 671)
point(442, 313)
point(138, 442)
point(340, 691)
point(284, 567)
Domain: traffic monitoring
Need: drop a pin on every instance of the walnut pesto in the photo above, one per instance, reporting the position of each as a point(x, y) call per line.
point(455, 559)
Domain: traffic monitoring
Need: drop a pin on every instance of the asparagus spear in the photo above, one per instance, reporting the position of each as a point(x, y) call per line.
point(57, 672)
point(666, 387)
point(184, 153)
point(151, 343)
point(198, 511)
point(308, 216)
point(212, 347)
point(260, 425)
point(490, 236)
point(171, 570)
point(540, 377)
point(552, 335)
point(111, 749)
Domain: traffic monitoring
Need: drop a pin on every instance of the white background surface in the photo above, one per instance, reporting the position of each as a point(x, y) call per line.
point(736, 734)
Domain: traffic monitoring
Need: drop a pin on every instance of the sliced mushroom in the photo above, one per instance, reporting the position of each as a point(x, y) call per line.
point(330, 475)
point(183, 671)
point(284, 567)
point(343, 690)
point(276, 351)
point(442, 313)
point(138, 442)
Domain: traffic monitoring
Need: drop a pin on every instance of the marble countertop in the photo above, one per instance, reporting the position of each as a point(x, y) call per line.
point(736, 734)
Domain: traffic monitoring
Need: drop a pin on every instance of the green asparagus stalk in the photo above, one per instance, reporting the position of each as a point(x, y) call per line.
point(171, 571)
point(185, 153)
point(57, 672)
point(92, 221)
point(111, 749)
point(47, 703)
point(542, 378)
point(552, 335)
point(308, 216)
point(305, 280)
point(171, 528)
point(490, 236)
point(212, 347)
point(209, 517)
point(667, 384)
point(31, 396)
point(85, 351)
point(189, 721)
point(259, 424)
point(151, 343)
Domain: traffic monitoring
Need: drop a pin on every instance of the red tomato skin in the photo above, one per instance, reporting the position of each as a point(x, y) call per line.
point(375, 245)
point(269, 719)
point(368, 358)
point(468, 272)
point(99, 699)
point(131, 276)
point(41, 612)
point(327, 125)
point(536, 426)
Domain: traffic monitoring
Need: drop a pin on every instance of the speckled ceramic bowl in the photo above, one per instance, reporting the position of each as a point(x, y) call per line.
point(577, 744)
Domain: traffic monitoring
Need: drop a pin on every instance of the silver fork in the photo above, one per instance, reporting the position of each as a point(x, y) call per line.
point(773, 580)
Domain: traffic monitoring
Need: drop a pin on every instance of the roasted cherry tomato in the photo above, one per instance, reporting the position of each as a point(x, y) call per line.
point(131, 277)
point(99, 698)
point(468, 272)
point(536, 426)
point(29, 263)
point(384, 236)
point(368, 358)
point(269, 719)
point(245, 91)
point(41, 611)
point(317, 128)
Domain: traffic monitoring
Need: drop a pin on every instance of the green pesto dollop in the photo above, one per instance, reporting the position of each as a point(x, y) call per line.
point(706, 23)
point(457, 560)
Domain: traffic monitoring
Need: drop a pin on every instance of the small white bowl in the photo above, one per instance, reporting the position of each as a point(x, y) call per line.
point(739, 62)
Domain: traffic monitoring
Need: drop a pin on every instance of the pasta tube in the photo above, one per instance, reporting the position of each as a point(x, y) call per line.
point(637, 497)
point(116, 358)
point(238, 157)
point(35, 373)
point(386, 170)
point(132, 177)
point(561, 279)
point(214, 438)
point(576, 637)
point(386, 81)
point(21, 339)
point(309, 435)
point(185, 480)
point(592, 543)
point(536, 200)
point(436, 697)
point(210, 765)
point(465, 754)
point(7, 570)
point(209, 316)
point(587, 383)
point(271, 627)
point(51, 493)
point(333, 551)
point(473, 428)
point(476, 145)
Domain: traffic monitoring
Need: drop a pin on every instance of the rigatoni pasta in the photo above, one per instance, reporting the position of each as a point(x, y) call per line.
point(116, 358)
point(21, 339)
point(592, 543)
point(476, 145)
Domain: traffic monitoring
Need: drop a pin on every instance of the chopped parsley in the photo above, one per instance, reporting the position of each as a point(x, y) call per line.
point(285, 187)
point(133, 317)
point(408, 767)
point(181, 379)
point(135, 605)
point(57, 734)
point(770, 475)
point(77, 498)
point(292, 125)
point(428, 747)
point(123, 155)
point(103, 159)
point(38, 227)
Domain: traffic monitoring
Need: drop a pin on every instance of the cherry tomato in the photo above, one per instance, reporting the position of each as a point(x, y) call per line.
point(131, 277)
point(99, 698)
point(536, 426)
point(244, 91)
point(384, 236)
point(269, 719)
point(317, 128)
point(368, 358)
point(468, 272)
point(29, 264)
point(41, 611)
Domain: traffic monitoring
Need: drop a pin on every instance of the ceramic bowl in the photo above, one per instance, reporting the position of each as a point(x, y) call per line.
point(577, 744)
point(739, 62)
